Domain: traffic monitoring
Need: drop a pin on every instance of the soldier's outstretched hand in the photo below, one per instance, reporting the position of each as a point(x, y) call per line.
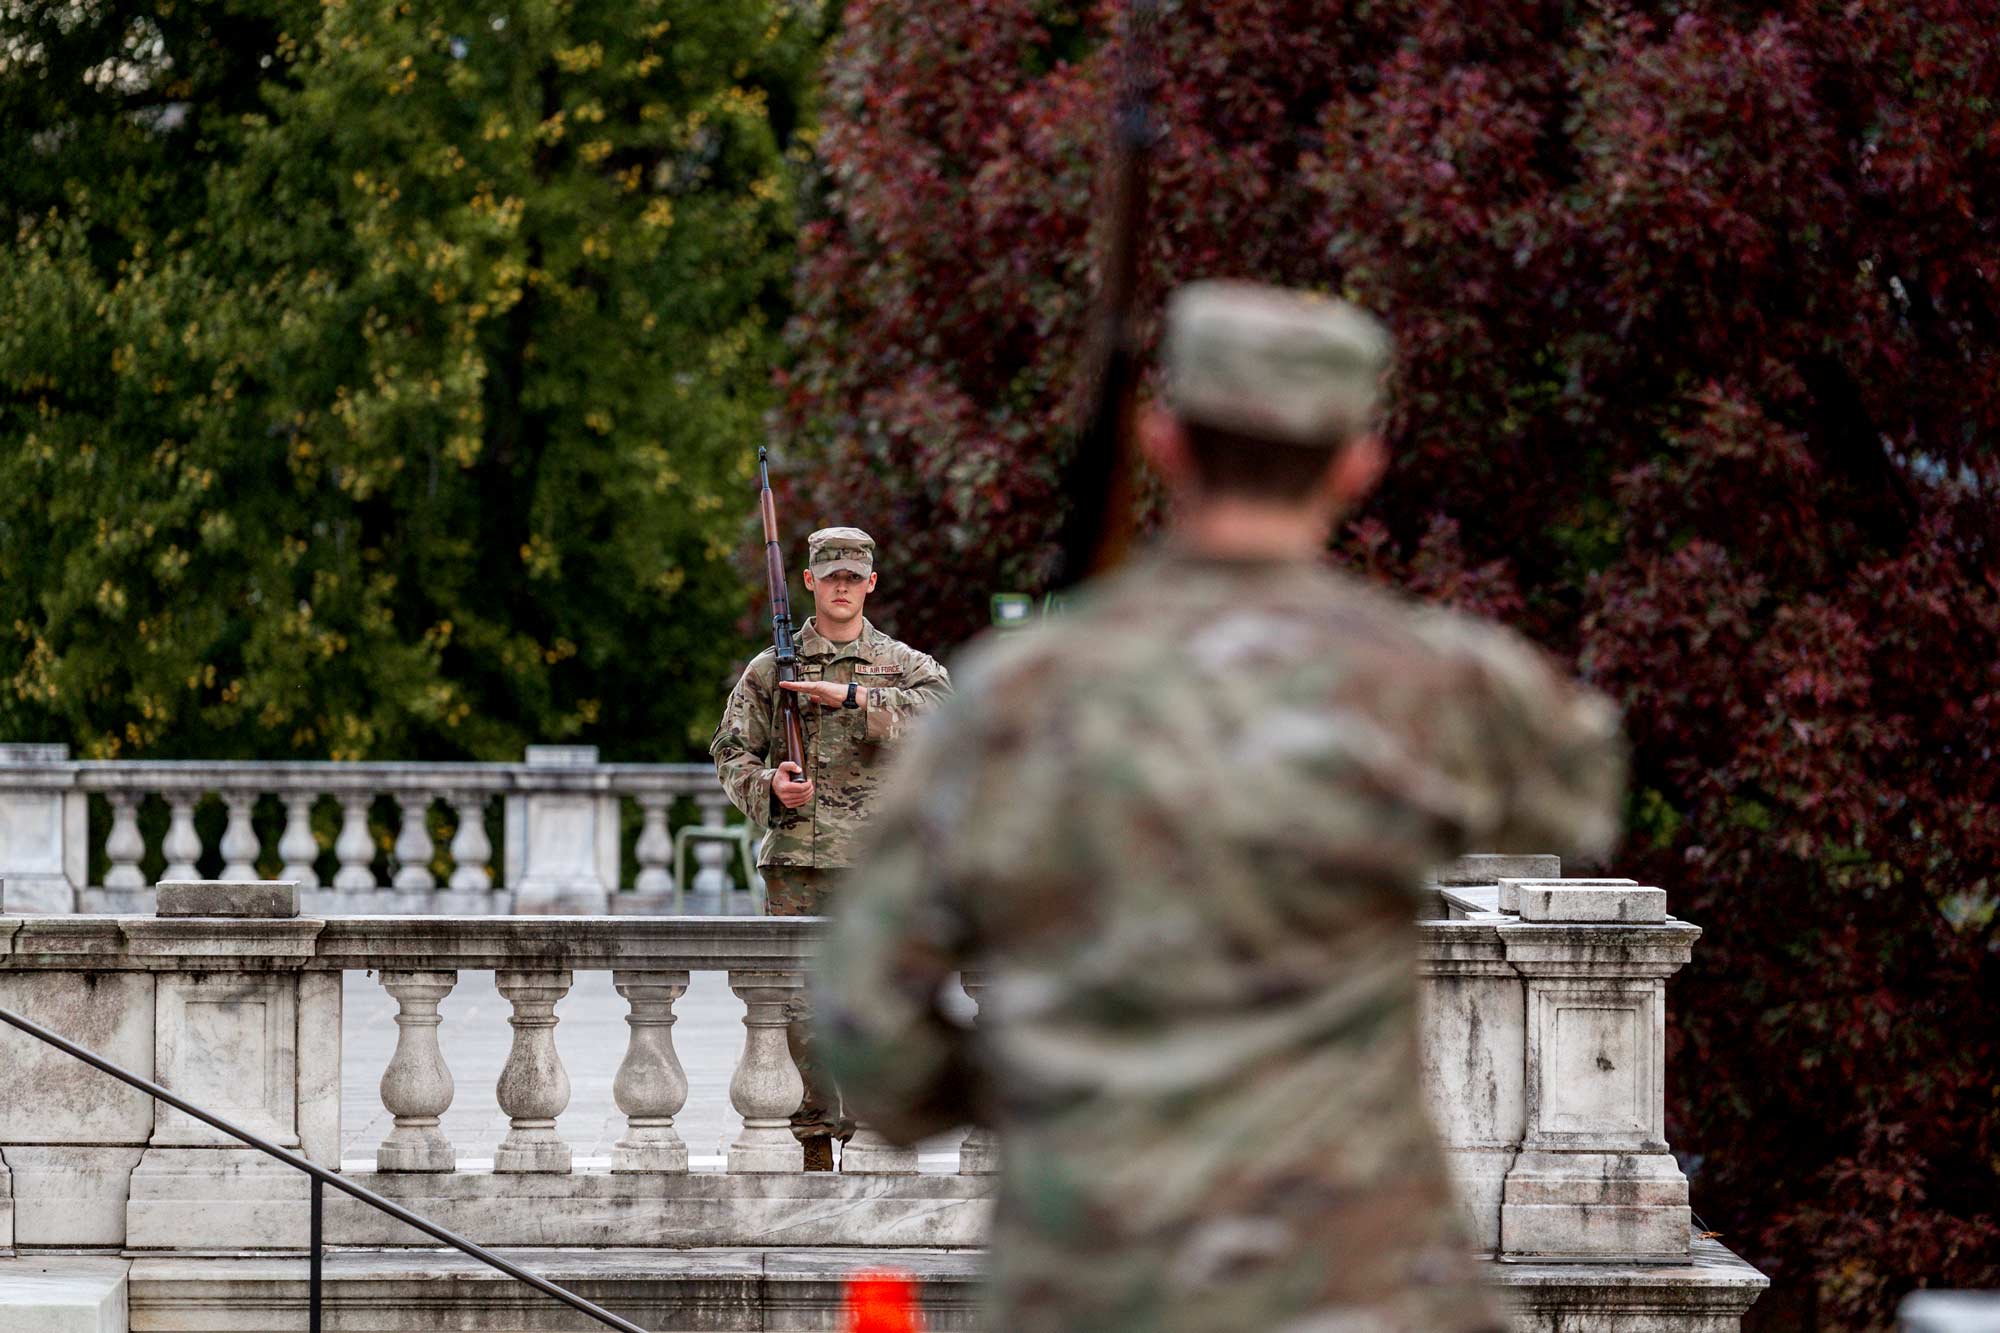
point(826, 693)
point(791, 785)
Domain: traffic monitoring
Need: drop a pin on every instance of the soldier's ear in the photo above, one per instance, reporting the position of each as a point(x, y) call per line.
point(1356, 469)
point(1164, 446)
point(807, 575)
point(871, 582)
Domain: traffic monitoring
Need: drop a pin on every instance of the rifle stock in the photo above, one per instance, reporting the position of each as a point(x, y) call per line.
point(785, 705)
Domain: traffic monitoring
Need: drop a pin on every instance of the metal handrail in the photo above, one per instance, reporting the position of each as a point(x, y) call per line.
point(321, 1176)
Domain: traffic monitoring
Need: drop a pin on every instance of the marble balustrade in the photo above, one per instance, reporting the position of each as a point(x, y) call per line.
point(1543, 1012)
point(245, 1014)
point(561, 820)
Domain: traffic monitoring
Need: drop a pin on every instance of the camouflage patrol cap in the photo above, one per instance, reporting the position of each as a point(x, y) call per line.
point(1279, 365)
point(840, 548)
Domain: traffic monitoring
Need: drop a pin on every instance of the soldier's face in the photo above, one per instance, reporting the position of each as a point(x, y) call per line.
point(839, 597)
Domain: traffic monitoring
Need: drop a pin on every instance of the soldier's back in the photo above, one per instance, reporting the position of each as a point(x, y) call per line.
point(1197, 815)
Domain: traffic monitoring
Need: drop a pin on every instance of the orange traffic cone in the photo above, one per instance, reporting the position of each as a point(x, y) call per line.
point(881, 1303)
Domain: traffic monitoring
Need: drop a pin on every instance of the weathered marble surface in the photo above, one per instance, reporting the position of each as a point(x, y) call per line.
point(1544, 1063)
point(1606, 904)
point(47, 1097)
point(71, 1196)
point(796, 1289)
point(1707, 1293)
point(666, 1290)
point(200, 897)
point(702, 1208)
point(63, 1294)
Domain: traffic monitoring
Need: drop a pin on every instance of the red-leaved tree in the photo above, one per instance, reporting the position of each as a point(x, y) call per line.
point(1698, 316)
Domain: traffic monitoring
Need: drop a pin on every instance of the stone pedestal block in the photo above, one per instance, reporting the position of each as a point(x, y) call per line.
point(6, 1207)
point(216, 1201)
point(44, 827)
point(869, 1154)
point(1607, 1206)
point(562, 840)
point(71, 1196)
point(1594, 1179)
point(232, 1014)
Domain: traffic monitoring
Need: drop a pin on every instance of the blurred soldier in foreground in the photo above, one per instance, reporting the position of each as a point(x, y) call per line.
point(1182, 832)
point(861, 689)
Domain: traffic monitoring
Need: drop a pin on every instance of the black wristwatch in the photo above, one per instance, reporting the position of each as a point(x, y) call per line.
point(851, 701)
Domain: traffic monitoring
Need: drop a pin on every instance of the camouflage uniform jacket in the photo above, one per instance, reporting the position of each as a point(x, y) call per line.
point(1181, 833)
point(846, 748)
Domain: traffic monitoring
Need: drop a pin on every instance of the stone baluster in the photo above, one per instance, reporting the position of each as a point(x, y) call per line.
point(870, 1154)
point(413, 846)
point(711, 854)
point(534, 1087)
point(239, 837)
point(766, 1087)
point(655, 847)
point(979, 1151)
point(355, 846)
point(417, 1086)
point(125, 845)
point(651, 1087)
point(471, 849)
point(296, 845)
point(182, 845)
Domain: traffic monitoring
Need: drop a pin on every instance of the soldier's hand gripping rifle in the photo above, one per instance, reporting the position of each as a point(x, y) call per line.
point(1099, 479)
point(786, 702)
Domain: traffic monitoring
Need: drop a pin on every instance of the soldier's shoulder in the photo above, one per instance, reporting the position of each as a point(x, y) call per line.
point(886, 647)
point(1477, 641)
point(761, 669)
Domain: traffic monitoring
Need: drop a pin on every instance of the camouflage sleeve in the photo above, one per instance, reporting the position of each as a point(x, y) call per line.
point(1558, 755)
point(891, 709)
point(897, 935)
point(742, 742)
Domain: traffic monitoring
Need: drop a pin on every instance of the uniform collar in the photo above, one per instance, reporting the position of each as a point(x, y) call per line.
point(814, 644)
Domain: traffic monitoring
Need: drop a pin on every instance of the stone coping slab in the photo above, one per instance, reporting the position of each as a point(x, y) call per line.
point(418, 943)
point(63, 1294)
point(675, 1211)
point(226, 898)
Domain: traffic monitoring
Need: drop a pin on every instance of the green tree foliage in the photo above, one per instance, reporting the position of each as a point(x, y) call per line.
point(382, 379)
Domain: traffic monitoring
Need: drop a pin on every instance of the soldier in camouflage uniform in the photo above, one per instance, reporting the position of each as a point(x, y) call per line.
point(1182, 833)
point(859, 689)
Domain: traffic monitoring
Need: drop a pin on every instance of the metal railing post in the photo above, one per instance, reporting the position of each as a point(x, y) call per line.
point(320, 1175)
point(313, 1274)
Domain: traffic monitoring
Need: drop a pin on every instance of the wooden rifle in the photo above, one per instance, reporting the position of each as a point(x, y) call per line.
point(1099, 482)
point(786, 703)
